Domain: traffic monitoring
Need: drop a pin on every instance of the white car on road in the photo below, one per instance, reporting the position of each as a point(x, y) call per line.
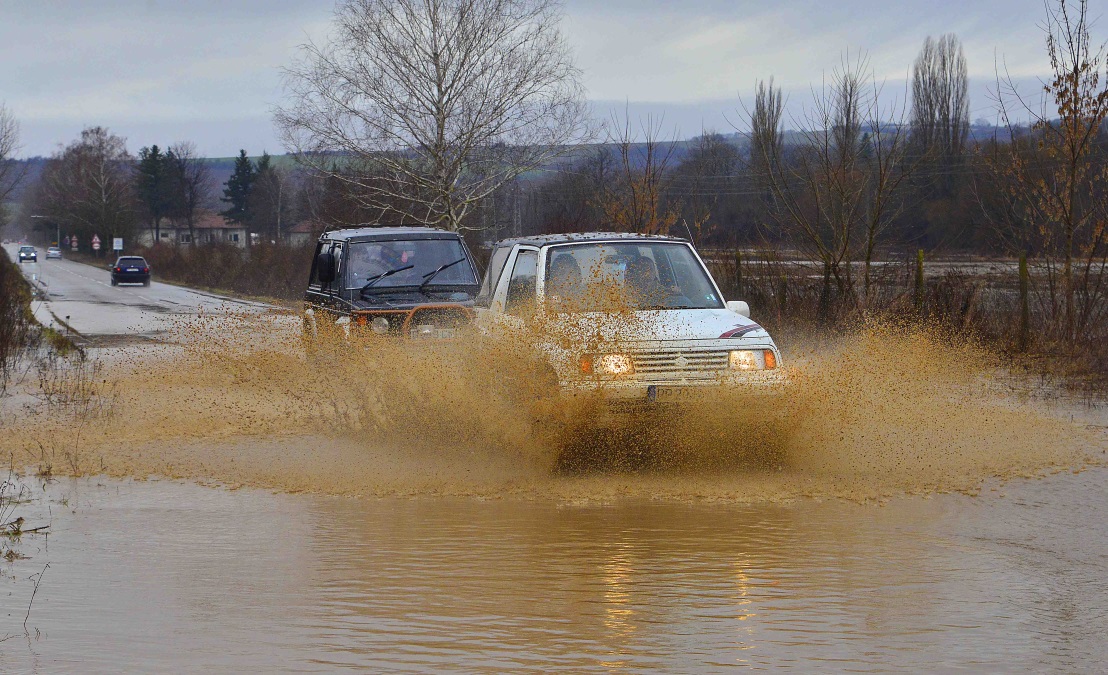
point(53, 253)
point(637, 318)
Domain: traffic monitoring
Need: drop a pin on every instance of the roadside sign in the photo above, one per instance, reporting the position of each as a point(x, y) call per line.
point(73, 242)
point(65, 242)
point(95, 243)
point(117, 243)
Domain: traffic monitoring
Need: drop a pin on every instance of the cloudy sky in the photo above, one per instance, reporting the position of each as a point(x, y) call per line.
point(161, 71)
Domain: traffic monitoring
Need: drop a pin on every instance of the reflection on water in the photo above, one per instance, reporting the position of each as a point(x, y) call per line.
point(172, 576)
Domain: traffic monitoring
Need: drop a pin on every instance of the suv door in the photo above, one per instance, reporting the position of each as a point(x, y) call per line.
point(323, 301)
point(515, 291)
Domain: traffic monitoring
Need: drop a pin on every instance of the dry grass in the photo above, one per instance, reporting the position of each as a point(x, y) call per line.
point(788, 298)
point(265, 270)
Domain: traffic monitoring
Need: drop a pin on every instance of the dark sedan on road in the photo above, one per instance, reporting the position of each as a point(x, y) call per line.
point(28, 254)
point(130, 270)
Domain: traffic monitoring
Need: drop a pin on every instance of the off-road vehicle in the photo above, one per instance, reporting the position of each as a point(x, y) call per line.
point(636, 318)
point(408, 282)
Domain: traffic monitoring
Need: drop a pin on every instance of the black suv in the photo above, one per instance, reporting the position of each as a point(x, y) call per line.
point(28, 253)
point(130, 269)
point(412, 282)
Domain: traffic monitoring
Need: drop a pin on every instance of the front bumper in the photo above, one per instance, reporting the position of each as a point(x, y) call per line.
point(690, 390)
point(437, 322)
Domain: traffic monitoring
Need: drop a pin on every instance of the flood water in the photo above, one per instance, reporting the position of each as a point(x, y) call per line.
point(173, 576)
point(889, 510)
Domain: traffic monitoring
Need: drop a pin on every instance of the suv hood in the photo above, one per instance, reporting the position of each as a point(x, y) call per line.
point(670, 324)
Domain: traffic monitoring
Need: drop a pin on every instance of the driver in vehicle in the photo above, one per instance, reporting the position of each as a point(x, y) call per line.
point(369, 261)
point(641, 284)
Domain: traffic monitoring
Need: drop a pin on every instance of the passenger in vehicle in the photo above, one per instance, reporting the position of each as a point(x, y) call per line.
point(565, 285)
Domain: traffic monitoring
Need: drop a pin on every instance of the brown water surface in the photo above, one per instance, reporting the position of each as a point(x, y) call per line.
point(170, 576)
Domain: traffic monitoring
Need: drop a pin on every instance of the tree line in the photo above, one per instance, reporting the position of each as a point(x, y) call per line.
point(469, 115)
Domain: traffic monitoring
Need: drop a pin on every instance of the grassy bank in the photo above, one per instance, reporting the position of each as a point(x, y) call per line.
point(17, 323)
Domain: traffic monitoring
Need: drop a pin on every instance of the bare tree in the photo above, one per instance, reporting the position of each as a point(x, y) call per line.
point(569, 199)
point(192, 184)
point(11, 170)
point(634, 200)
point(940, 101)
point(703, 182)
point(1056, 171)
point(87, 189)
point(428, 106)
point(835, 194)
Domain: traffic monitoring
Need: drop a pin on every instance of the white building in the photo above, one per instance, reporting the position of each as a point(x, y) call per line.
point(209, 228)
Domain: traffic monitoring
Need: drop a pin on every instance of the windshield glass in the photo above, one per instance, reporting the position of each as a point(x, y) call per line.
point(131, 261)
point(370, 259)
point(637, 275)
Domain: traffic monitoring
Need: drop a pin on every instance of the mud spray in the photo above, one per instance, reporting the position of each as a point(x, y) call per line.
point(240, 400)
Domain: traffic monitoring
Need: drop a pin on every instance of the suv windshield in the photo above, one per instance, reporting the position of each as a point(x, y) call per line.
point(367, 261)
point(636, 275)
point(25, 249)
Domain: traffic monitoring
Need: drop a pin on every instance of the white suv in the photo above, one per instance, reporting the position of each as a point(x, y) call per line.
point(637, 318)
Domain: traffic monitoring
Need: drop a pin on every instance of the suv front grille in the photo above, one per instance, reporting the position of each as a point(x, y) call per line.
point(681, 362)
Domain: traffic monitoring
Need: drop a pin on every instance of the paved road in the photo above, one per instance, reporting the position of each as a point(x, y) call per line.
point(82, 296)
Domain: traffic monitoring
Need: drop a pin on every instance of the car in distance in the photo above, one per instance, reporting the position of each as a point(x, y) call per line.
point(638, 319)
point(28, 254)
point(130, 269)
point(408, 282)
point(53, 253)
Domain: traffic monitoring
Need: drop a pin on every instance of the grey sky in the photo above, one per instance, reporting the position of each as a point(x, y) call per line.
point(157, 71)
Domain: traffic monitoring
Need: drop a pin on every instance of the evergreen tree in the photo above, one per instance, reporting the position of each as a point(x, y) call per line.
point(237, 191)
point(270, 199)
point(153, 186)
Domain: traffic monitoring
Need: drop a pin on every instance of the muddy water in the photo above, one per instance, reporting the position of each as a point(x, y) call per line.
point(168, 576)
point(828, 526)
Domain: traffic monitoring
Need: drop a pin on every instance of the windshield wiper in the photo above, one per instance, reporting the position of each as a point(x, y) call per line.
point(431, 275)
point(381, 276)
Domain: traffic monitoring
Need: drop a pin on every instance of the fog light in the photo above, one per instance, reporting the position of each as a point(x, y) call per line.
point(744, 360)
point(379, 325)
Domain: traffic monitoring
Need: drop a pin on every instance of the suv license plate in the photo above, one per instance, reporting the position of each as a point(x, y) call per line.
point(657, 394)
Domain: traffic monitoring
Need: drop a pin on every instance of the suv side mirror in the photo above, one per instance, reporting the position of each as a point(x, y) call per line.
point(739, 307)
point(325, 267)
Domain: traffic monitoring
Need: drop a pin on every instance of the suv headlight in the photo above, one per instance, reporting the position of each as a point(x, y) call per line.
point(753, 359)
point(607, 364)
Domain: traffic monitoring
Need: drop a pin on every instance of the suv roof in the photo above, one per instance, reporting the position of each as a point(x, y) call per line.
point(381, 232)
point(573, 237)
